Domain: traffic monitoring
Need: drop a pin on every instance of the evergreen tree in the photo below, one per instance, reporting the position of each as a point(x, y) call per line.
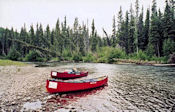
point(37, 41)
point(58, 40)
point(126, 33)
point(121, 28)
point(76, 33)
point(146, 30)
point(11, 37)
point(47, 37)
point(114, 32)
point(93, 28)
point(136, 25)
point(86, 37)
point(93, 39)
point(131, 31)
point(41, 36)
point(167, 21)
point(24, 38)
point(169, 29)
point(154, 45)
point(4, 41)
point(160, 31)
point(141, 32)
point(52, 37)
point(32, 35)
point(168, 47)
point(172, 5)
point(120, 19)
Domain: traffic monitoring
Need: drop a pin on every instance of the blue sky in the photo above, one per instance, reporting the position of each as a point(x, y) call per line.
point(14, 13)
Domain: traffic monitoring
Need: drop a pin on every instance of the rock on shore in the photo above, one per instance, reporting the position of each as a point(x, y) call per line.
point(21, 85)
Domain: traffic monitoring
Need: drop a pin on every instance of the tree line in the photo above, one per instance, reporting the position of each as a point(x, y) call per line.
point(153, 36)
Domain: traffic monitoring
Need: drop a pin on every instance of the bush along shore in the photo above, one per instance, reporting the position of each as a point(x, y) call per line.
point(103, 55)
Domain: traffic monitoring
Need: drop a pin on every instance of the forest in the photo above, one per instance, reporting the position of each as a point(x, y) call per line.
point(135, 35)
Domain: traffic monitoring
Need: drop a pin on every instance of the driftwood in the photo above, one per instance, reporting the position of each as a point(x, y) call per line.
point(108, 40)
point(35, 47)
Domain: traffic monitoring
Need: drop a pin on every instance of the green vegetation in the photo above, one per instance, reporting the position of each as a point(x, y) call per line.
point(13, 54)
point(34, 56)
point(9, 62)
point(132, 38)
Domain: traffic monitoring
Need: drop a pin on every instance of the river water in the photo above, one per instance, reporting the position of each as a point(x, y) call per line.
point(130, 88)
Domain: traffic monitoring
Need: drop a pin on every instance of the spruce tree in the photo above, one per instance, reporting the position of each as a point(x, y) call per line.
point(169, 30)
point(41, 36)
point(141, 32)
point(24, 38)
point(126, 33)
point(120, 19)
point(136, 25)
point(93, 39)
point(32, 35)
point(154, 45)
point(37, 41)
point(47, 37)
point(113, 41)
point(146, 30)
point(167, 20)
point(131, 31)
point(121, 28)
point(93, 28)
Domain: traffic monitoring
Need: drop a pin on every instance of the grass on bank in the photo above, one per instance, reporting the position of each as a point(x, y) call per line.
point(9, 62)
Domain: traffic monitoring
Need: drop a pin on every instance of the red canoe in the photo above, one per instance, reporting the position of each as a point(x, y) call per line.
point(55, 86)
point(68, 75)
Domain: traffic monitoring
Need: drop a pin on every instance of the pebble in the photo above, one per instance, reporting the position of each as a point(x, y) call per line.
point(63, 95)
point(50, 96)
point(13, 103)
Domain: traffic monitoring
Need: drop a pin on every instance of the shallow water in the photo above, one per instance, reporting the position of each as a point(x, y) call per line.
point(130, 87)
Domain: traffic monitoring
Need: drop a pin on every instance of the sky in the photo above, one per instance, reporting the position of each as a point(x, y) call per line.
point(14, 13)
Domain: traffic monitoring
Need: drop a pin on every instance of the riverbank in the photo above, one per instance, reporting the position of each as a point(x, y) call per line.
point(22, 88)
point(121, 62)
point(10, 62)
point(141, 62)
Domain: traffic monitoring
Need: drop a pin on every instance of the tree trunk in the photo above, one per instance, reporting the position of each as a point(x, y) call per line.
point(158, 50)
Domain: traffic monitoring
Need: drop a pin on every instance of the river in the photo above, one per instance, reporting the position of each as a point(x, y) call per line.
point(130, 88)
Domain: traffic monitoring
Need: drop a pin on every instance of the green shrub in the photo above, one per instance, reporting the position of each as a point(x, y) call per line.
point(66, 53)
point(34, 55)
point(13, 54)
point(141, 55)
point(102, 60)
point(168, 47)
point(150, 50)
point(77, 57)
point(89, 58)
point(55, 59)
point(108, 54)
point(159, 59)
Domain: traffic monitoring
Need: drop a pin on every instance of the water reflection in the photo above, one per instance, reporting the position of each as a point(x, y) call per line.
point(69, 97)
